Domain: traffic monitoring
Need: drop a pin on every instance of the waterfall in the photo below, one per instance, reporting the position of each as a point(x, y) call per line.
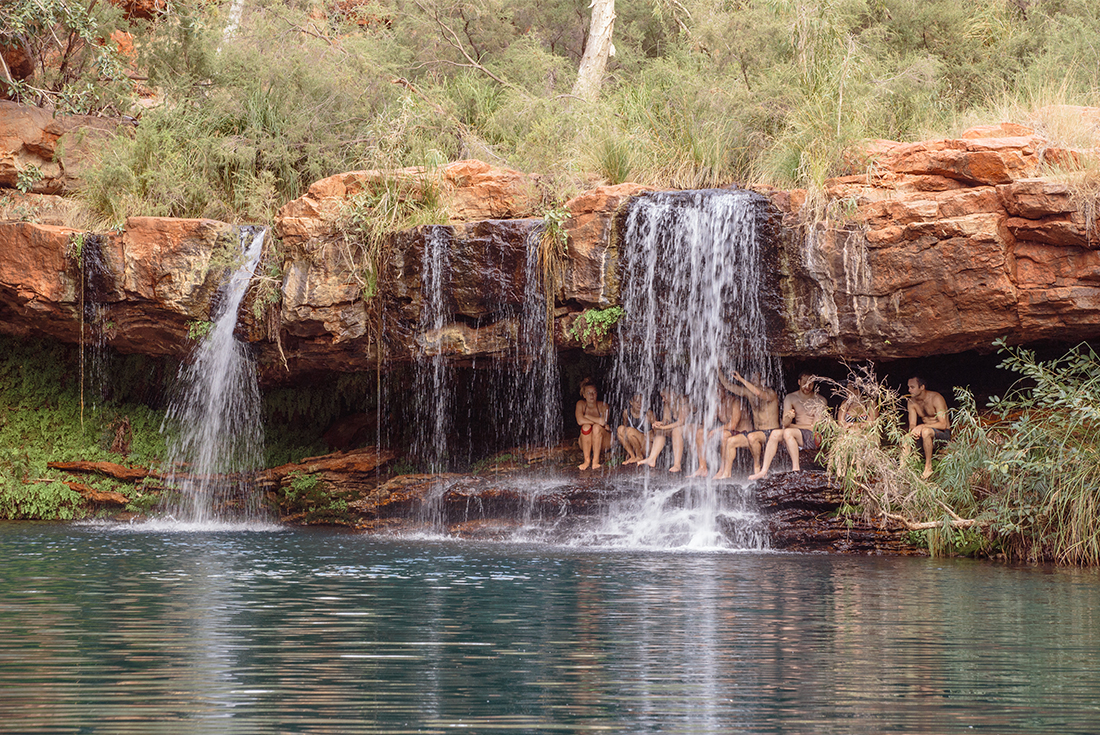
point(433, 382)
point(533, 416)
point(215, 428)
point(512, 401)
point(690, 273)
point(95, 285)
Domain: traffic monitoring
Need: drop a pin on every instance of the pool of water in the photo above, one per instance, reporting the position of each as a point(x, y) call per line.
point(113, 629)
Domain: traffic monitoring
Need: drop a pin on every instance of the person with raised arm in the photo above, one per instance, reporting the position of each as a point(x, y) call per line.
point(928, 421)
point(764, 403)
point(738, 438)
point(801, 410)
point(592, 415)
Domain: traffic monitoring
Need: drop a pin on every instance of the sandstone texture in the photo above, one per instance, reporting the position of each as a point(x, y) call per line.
point(154, 280)
point(467, 191)
point(948, 245)
point(928, 248)
point(42, 153)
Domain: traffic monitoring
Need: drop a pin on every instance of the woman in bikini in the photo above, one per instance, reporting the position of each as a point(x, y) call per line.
point(592, 418)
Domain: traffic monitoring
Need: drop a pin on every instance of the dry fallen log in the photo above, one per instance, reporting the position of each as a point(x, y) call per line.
point(955, 522)
point(110, 469)
point(106, 497)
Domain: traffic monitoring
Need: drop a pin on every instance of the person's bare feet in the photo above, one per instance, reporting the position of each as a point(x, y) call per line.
point(701, 472)
point(583, 466)
point(596, 465)
point(631, 460)
point(755, 476)
point(674, 469)
point(927, 473)
point(648, 463)
point(722, 476)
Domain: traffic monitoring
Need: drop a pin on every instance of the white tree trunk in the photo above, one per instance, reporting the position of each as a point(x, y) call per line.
point(596, 51)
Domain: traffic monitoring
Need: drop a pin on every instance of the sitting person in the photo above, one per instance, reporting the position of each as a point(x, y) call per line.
point(737, 439)
point(727, 419)
point(634, 433)
point(858, 411)
point(801, 410)
point(764, 403)
point(674, 415)
point(928, 421)
point(592, 416)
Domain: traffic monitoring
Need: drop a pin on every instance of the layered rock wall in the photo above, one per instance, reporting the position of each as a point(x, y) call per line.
point(945, 246)
point(934, 248)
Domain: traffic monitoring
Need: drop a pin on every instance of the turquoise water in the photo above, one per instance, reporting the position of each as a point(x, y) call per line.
point(119, 630)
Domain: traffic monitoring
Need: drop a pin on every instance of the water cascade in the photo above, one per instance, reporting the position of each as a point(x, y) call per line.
point(215, 429)
point(432, 385)
point(512, 400)
point(691, 280)
point(532, 412)
point(95, 285)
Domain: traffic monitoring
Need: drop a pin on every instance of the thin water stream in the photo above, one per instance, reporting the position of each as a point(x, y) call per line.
point(215, 432)
point(108, 629)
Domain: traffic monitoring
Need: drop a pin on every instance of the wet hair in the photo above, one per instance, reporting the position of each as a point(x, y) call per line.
point(921, 383)
point(585, 382)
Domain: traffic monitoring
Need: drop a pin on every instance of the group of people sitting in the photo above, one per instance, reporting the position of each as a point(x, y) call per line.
point(762, 429)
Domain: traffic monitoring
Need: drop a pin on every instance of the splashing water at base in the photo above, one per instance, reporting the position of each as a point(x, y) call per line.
point(215, 424)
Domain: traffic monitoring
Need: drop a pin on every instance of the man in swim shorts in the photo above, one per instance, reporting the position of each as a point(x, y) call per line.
point(928, 421)
point(765, 417)
point(801, 410)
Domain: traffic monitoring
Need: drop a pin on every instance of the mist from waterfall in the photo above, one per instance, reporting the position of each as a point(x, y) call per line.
point(215, 428)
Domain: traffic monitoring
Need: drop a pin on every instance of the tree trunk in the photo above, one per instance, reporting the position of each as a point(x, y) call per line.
point(596, 51)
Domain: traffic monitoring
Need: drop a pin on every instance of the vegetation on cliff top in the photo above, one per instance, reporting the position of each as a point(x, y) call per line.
point(237, 118)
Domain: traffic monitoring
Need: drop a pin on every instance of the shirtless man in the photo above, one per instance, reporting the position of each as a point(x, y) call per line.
point(674, 415)
point(801, 410)
point(928, 421)
point(591, 416)
point(635, 430)
point(729, 416)
point(764, 403)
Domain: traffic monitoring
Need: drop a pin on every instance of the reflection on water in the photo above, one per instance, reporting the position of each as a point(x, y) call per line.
point(125, 631)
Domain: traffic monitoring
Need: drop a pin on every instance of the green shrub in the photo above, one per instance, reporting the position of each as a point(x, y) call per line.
point(307, 496)
point(39, 501)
